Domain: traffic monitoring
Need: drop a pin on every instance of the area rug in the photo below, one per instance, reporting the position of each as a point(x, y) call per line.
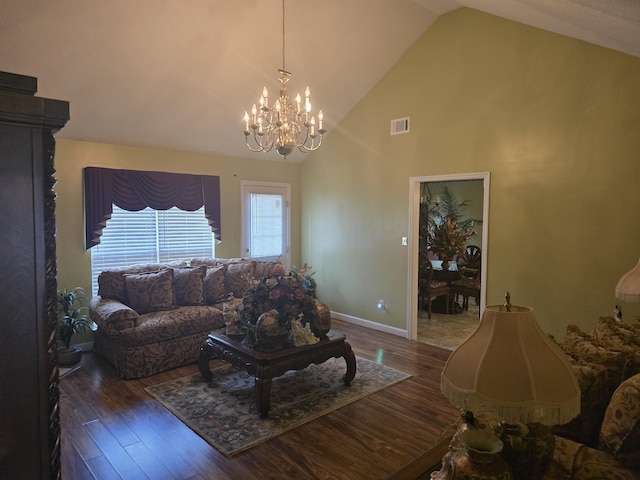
point(225, 415)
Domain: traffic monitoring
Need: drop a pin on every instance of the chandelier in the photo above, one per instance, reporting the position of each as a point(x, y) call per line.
point(284, 124)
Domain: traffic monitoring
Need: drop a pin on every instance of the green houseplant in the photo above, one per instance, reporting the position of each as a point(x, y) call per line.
point(72, 318)
point(443, 228)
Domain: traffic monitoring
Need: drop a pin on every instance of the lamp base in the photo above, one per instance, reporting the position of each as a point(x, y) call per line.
point(474, 455)
point(527, 451)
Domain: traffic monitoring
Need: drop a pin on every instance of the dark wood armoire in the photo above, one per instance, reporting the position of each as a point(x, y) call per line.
point(29, 395)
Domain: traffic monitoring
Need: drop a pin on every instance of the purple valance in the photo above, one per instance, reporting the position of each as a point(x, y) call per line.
point(135, 190)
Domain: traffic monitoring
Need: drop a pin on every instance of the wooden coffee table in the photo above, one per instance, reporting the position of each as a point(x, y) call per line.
point(267, 365)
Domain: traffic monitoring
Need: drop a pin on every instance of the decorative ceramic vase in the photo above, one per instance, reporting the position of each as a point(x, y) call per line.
point(269, 334)
point(322, 323)
point(445, 264)
point(475, 458)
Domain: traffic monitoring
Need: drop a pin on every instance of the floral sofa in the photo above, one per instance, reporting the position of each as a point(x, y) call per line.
point(153, 318)
point(604, 440)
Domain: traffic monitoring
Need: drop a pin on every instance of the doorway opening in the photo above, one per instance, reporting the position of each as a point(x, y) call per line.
point(433, 185)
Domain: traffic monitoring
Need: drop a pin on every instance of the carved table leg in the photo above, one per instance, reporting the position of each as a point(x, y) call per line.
point(207, 352)
point(263, 391)
point(350, 358)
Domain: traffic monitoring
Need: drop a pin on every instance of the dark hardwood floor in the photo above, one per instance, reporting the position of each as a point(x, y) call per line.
point(112, 429)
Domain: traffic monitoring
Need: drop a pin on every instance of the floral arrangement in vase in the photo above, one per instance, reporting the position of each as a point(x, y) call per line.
point(278, 311)
point(449, 239)
point(443, 228)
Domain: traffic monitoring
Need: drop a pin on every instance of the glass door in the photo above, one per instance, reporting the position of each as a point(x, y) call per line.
point(265, 221)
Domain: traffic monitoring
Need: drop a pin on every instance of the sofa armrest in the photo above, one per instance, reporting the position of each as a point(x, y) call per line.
point(111, 315)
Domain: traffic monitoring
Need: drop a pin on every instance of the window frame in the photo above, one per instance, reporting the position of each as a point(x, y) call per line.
point(248, 188)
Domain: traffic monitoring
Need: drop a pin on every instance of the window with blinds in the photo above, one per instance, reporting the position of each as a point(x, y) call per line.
point(151, 236)
point(266, 225)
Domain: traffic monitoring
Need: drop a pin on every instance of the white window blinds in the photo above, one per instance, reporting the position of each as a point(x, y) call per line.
point(151, 236)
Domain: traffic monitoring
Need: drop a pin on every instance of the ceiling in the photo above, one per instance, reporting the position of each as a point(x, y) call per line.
point(180, 74)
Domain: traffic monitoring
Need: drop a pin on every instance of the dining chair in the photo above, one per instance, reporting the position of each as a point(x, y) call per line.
point(428, 288)
point(470, 264)
point(470, 261)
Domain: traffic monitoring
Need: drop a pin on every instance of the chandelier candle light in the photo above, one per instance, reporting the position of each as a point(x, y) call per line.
point(284, 125)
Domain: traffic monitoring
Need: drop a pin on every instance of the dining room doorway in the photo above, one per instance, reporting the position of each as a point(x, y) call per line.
point(429, 190)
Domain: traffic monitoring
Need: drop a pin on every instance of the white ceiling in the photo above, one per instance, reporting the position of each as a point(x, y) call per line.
point(180, 74)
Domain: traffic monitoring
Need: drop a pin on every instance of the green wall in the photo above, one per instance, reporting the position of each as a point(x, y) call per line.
point(74, 262)
point(554, 120)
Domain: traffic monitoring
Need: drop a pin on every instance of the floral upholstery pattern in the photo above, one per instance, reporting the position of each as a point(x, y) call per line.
point(214, 288)
point(610, 356)
point(237, 278)
point(620, 433)
point(188, 285)
point(264, 269)
point(433, 284)
point(118, 316)
point(111, 285)
point(137, 361)
point(111, 282)
point(149, 292)
point(594, 395)
point(612, 332)
point(141, 333)
point(182, 321)
point(619, 360)
point(469, 283)
point(572, 460)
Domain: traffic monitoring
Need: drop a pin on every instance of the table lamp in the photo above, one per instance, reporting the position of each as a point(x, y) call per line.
point(628, 288)
point(509, 367)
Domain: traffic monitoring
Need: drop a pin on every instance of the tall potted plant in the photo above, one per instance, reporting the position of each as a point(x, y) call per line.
point(443, 230)
point(72, 318)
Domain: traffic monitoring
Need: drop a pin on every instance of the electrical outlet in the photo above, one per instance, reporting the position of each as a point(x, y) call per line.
point(404, 241)
point(380, 304)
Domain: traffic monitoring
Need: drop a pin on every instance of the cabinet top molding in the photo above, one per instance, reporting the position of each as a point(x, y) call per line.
point(18, 103)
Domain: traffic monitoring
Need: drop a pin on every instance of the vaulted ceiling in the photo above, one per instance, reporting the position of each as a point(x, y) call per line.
point(180, 74)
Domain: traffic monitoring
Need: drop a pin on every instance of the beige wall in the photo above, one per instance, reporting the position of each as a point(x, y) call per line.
point(74, 263)
point(554, 120)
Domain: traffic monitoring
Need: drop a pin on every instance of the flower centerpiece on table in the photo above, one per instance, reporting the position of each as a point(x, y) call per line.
point(277, 311)
point(449, 239)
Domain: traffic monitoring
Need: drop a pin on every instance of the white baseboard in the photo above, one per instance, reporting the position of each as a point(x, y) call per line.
point(361, 322)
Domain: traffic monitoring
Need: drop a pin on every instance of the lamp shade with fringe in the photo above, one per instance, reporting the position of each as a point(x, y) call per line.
point(511, 368)
point(628, 288)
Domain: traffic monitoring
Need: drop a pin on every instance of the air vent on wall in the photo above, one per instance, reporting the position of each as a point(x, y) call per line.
point(400, 125)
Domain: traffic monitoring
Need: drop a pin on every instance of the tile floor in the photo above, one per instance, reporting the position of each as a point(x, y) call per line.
point(447, 331)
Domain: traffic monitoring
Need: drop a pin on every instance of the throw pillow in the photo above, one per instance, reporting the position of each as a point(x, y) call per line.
point(188, 285)
point(620, 432)
point(610, 331)
point(150, 292)
point(209, 262)
point(590, 464)
point(214, 290)
point(238, 277)
point(111, 285)
point(264, 269)
point(619, 361)
point(594, 396)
